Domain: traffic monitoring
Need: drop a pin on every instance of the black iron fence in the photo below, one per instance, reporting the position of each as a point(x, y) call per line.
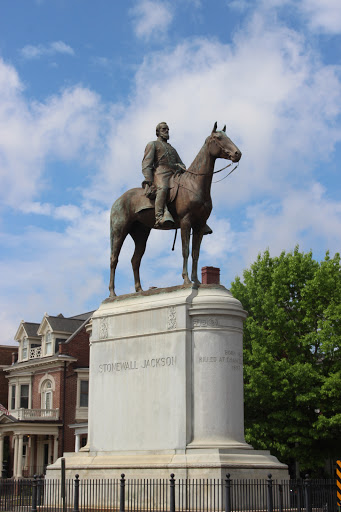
point(173, 495)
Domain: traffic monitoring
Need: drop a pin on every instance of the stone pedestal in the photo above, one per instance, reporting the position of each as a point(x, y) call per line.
point(166, 389)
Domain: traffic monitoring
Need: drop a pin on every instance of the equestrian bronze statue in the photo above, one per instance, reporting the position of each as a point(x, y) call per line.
point(173, 197)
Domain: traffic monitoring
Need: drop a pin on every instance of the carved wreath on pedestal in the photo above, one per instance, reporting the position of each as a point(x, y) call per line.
point(103, 328)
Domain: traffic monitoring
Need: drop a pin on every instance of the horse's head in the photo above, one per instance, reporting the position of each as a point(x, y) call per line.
point(221, 146)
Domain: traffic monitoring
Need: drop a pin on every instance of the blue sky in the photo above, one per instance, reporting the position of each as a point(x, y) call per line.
point(83, 85)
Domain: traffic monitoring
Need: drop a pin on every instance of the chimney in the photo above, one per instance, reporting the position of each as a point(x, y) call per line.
point(210, 275)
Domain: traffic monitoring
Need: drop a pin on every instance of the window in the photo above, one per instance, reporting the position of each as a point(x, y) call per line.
point(48, 400)
point(84, 391)
point(24, 390)
point(24, 348)
point(82, 394)
point(48, 343)
point(46, 395)
point(12, 397)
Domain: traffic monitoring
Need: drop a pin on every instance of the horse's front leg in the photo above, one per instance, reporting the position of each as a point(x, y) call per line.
point(196, 243)
point(185, 235)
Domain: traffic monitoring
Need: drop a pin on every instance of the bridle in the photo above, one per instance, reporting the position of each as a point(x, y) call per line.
point(213, 139)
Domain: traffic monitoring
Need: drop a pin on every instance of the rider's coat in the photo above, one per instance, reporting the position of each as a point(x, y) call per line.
point(159, 163)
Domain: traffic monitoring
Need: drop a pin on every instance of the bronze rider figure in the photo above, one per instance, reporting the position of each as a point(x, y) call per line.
point(160, 162)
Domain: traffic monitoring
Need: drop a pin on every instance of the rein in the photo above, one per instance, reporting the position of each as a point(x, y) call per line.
point(203, 173)
point(234, 168)
point(214, 172)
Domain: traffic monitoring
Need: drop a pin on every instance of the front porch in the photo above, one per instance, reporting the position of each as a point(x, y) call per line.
point(27, 448)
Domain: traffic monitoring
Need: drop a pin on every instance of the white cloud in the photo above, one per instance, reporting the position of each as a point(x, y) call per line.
point(36, 51)
point(305, 215)
point(68, 212)
point(239, 5)
point(66, 126)
point(323, 15)
point(151, 18)
point(55, 271)
point(61, 47)
point(102, 62)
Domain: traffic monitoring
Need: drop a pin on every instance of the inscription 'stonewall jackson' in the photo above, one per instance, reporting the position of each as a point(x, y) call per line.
point(121, 366)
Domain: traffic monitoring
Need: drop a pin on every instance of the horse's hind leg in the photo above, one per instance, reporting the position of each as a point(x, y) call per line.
point(139, 234)
point(117, 236)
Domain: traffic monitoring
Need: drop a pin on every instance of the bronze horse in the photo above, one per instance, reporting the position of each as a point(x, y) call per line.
point(133, 213)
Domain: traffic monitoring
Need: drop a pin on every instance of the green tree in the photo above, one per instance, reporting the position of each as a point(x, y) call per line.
point(292, 357)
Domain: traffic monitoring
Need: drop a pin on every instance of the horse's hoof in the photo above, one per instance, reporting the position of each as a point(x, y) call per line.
point(112, 295)
point(187, 280)
point(138, 289)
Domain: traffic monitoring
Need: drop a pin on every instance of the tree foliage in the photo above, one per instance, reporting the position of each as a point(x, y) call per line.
point(292, 356)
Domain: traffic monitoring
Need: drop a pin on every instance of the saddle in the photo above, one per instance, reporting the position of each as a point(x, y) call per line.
point(149, 202)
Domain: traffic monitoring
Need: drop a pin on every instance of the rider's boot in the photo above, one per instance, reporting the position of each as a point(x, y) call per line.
point(163, 218)
point(207, 230)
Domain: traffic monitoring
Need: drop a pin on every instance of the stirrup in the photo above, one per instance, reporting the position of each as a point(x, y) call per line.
point(165, 222)
point(167, 219)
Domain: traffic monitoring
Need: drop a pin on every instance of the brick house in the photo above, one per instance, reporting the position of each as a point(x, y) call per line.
point(47, 394)
point(7, 355)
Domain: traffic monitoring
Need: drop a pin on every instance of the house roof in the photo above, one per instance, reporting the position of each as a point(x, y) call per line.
point(61, 324)
point(31, 329)
point(83, 316)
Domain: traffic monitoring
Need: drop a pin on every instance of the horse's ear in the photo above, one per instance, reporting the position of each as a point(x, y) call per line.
point(215, 127)
point(224, 129)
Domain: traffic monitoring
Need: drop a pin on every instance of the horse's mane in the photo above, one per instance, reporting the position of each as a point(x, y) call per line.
point(195, 165)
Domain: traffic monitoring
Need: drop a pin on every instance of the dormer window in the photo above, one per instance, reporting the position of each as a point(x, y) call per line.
point(24, 348)
point(48, 343)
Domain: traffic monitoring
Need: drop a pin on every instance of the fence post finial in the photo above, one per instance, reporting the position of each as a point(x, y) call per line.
point(34, 494)
point(270, 499)
point(172, 493)
point(228, 493)
point(122, 493)
point(76, 495)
